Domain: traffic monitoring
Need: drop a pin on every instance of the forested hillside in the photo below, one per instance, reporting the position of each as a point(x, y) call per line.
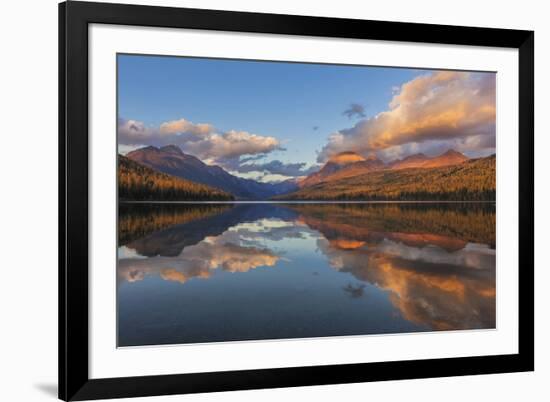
point(473, 180)
point(140, 183)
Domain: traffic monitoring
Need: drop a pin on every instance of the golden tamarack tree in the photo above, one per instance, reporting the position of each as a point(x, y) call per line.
point(140, 183)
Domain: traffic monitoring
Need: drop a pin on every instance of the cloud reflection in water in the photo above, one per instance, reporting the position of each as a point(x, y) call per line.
point(435, 265)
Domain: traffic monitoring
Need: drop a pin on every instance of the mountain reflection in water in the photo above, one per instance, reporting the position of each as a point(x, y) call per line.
point(220, 272)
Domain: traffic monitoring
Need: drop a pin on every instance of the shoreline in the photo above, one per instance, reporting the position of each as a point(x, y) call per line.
point(305, 202)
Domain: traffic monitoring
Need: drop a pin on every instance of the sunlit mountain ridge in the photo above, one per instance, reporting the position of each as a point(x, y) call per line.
point(449, 177)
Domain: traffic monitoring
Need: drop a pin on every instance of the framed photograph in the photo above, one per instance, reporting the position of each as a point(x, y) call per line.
point(256, 200)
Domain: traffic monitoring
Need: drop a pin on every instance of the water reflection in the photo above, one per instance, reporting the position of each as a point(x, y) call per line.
point(176, 262)
point(219, 272)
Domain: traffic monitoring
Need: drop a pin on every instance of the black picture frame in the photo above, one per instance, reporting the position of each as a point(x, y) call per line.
point(74, 18)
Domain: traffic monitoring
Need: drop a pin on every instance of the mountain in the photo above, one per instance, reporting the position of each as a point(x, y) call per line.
point(445, 225)
point(141, 183)
point(171, 160)
point(411, 161)
point(472, 180)
point(349, 164)
point(449, 158)
point(344, 164)
point(370, 164)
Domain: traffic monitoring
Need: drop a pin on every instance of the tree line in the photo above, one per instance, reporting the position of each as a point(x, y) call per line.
point(474, 180)
point(141, 183)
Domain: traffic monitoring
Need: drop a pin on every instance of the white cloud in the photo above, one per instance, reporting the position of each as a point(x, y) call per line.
point(201, 140)
point(125, 148)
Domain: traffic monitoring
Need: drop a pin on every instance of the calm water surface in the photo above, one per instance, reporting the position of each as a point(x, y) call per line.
point(221, 272)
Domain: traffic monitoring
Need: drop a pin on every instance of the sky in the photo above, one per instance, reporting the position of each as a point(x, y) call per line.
point(275, 120)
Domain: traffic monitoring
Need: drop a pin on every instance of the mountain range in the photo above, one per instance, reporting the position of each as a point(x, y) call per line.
point(451, 157)
point(470, 180)
point(171, 160)
point(349, 164)
point(344, 164)
point(347, 175)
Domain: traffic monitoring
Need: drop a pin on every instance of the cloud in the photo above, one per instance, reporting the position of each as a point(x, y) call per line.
point(474, 146)
point(277, 167)
point(433, 280)
point(444, 108)
point(134, 132)
point(197, 261)
point(231, 144)
point(272, 229)
point(355, 291)
point(201, 140)
point(429, 286)
point(185, 126)
point(126, 148)
point(354, 110)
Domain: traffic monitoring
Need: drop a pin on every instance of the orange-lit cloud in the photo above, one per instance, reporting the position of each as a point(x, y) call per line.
point(434, 280)
point(439, 290)
point(185, 126)
point(172, 274)
point(347, 244)
point(441, 109)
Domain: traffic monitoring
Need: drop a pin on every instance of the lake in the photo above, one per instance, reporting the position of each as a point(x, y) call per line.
point(192, 273)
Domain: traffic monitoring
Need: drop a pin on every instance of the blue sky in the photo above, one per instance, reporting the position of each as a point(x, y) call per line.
point(299, 105)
